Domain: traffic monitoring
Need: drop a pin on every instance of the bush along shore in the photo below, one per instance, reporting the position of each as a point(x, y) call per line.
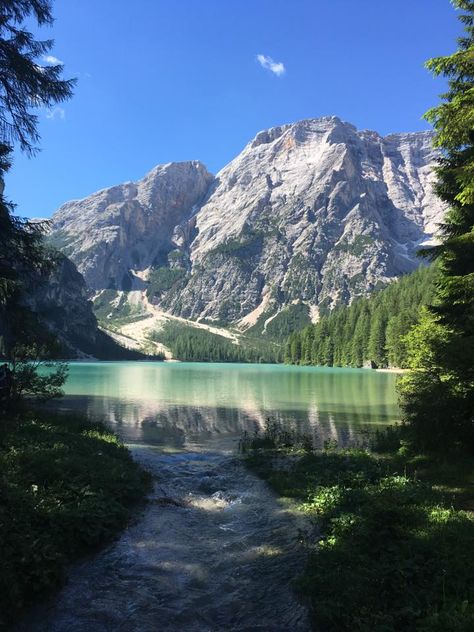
point(67, 486)
point(395, 543)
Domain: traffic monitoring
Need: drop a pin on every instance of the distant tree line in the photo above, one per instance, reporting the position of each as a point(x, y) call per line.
point(190, 344)
point(370, 330)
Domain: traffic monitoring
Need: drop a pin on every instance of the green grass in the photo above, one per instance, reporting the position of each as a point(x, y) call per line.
point(394, 547)
point(66, 486)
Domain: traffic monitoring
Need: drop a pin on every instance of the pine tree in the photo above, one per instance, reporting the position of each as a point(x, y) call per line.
point(376, 348)
point(315, 349)
point(25, 84)
point(395, 347)
point(360, 336)
point(349, 328)
point(307, 341)
point(438, 394)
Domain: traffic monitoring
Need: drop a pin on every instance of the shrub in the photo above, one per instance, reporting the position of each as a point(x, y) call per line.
point(66, 485)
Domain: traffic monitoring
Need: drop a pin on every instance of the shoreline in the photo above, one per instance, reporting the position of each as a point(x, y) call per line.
point(370, 509)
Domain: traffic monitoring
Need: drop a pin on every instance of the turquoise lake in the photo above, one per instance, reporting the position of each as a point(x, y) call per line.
point(181, 404)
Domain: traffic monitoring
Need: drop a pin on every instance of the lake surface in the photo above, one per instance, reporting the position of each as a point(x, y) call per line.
point(222, 555)
point(199, 404)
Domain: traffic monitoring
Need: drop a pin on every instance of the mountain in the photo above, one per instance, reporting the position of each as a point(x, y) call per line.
point(114, 235)
point(59, 299)
point(314, 213)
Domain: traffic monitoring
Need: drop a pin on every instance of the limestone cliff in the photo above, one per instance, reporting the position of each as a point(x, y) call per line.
point(59, 299)
point(114, 234)
point(315, 212)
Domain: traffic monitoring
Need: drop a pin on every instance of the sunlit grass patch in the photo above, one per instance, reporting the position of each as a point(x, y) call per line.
point(391, 551)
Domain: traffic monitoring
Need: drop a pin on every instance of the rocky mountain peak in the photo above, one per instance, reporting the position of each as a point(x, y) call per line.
point(299, 131)
point(119, 231)
point(314, 212)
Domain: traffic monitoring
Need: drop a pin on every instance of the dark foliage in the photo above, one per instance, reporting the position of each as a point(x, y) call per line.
point(25, 83)
point(66, 485)
point(438, 394)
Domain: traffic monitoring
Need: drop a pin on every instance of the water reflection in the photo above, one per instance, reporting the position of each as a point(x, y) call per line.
point(176, 405)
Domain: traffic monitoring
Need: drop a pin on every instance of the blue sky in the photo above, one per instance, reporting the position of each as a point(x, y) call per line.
point(164, 80)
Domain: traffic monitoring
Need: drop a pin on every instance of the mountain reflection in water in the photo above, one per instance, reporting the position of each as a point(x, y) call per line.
point(201, 404)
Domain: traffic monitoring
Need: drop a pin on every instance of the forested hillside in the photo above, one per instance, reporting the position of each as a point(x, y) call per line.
point(371, 329)
point(189, 344)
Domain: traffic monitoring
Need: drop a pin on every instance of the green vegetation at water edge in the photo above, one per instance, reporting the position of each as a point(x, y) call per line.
point(66, 485)
point(371, 329)
point(191, 344)
point(392, 546)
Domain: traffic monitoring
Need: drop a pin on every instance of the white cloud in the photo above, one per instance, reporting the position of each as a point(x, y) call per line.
point(268, 63)
point(56, 114)
point(52, 60)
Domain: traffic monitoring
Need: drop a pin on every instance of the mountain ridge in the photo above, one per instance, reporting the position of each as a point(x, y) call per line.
point(315, 211)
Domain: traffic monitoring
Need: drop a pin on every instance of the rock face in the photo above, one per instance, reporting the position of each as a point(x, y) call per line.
point(129, 227)
point(60, 301)
point(315, 211)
